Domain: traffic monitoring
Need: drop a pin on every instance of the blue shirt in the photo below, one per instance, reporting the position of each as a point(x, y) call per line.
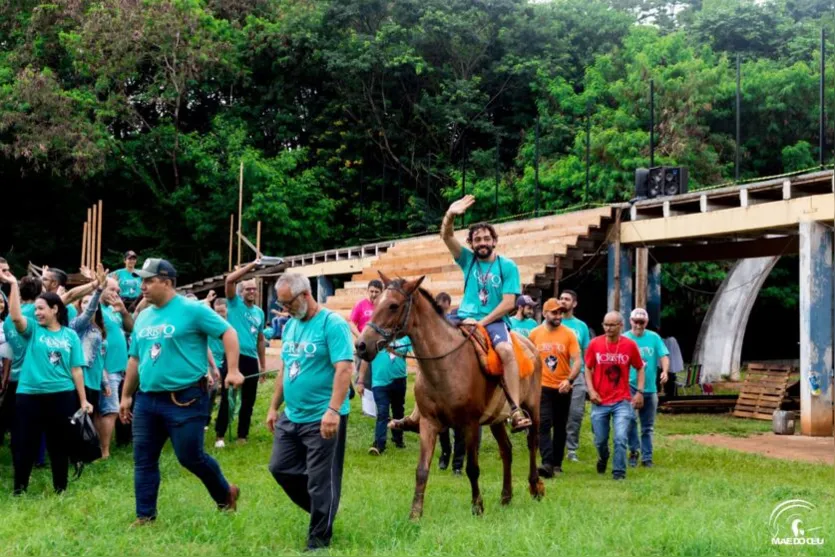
point(248, 323)
point(310, 350)
point(652, 349)
point(171, 343)
point(116, 359)
point(129, 284)
point(388, 366)
point(17, 342)
point(485, 284)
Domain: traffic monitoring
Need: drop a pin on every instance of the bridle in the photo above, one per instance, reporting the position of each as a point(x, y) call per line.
point(389, 335)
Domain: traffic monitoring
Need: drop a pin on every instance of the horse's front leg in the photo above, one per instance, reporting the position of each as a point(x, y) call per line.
point(472, 435)
point(506, 452)
point(428, 436)
point(535, 485)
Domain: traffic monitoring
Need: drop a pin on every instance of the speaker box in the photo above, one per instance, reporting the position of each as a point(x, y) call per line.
point(664, 181)
point(641, 176)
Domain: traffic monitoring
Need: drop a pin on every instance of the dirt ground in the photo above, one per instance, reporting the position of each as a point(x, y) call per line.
point(787, 447)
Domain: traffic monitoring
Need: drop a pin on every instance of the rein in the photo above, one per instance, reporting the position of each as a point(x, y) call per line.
point(389, 335)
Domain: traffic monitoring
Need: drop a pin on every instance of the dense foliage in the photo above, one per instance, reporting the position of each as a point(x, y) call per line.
point(361, 119)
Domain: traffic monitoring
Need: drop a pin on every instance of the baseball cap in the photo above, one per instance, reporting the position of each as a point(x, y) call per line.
point(639, 314)
point(130, 253)
point(552, 304)
point(156, 268)
point(524, 300)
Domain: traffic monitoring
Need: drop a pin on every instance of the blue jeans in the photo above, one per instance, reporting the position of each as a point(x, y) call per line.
point(622, 413)
point(391, 397)
point(155, 419)
point(647, 417)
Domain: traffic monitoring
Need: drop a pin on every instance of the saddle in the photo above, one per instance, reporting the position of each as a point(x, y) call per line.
point(491, 362)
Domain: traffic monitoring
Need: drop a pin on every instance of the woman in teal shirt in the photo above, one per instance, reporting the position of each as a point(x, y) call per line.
point(50, 387)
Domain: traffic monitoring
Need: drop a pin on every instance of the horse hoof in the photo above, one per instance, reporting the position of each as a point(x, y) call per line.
point(537, 490)
point(506, 499)
point(478, 509)
point(415, 515)
point(404, 425)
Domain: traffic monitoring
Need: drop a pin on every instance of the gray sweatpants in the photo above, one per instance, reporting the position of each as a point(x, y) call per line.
point(576, 413)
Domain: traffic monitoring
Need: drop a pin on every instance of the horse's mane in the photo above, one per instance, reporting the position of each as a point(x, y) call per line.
point(427, 295)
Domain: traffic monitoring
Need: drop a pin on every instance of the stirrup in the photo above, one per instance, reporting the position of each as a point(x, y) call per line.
point(523, 423)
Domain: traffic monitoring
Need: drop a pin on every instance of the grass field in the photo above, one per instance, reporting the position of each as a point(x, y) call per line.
point(696, 501)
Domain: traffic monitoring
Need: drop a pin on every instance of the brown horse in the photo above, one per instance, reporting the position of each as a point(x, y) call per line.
point(451, 390)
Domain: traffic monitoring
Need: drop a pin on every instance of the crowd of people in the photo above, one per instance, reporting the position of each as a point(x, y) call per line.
point(127, 344)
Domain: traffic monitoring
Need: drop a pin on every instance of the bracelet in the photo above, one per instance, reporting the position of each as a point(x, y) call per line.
point(334, 410)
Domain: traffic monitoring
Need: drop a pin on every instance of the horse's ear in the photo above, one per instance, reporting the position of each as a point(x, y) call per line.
point(414, 285)
point(384, 278)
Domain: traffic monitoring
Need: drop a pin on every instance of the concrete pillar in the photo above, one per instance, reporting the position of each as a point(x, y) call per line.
point(324, 288)
point(621, 302)
point(816, 327)
point(654, 294)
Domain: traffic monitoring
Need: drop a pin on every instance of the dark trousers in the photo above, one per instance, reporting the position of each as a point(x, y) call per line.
point(457, 449)
point(36, 415)
point(93, 397)
point(389, 398)
point(7, 410)
point(156, 419)
point(553, 408)
point(248, 366)
point(124, 432)
point(309, 469)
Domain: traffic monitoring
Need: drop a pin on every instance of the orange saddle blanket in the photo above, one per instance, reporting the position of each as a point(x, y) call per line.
point(491, 363)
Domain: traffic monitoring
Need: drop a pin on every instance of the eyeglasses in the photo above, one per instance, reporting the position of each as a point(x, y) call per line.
point(611, 325)
point(639, 321)
point(287, 304)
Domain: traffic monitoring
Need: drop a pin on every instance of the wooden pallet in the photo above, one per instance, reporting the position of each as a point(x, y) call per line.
point(762, 392)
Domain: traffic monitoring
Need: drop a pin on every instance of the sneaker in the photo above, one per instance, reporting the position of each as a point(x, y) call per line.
point(633, 459)
point(647, 464)
point(519, 421)
point(219, 444)
point(457, 472)
point(143, 521)
point(618, 478)
point(572, 457)
point(443, 461)
point(241, 441)
point(557, 471)
point(601, 465)
point(232, 499)
point(400, 445)
point(374, 451)
point(546, 471)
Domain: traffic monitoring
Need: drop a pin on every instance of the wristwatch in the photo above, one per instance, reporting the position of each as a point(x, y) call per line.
point(571, 381)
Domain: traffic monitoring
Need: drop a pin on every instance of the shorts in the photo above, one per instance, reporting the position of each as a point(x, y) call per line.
point(110, 404)
point(497, 330)
point(93, 398)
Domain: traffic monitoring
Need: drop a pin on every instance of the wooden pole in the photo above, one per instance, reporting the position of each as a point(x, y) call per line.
point(93, 228)
point(231, 239)
point(240, 209)
point(98, 234)
point(258, 240)
point(641, 277)
point(84, 245)
point(89, 234)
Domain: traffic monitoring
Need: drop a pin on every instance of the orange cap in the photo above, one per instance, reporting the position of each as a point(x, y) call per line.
point(551, 305)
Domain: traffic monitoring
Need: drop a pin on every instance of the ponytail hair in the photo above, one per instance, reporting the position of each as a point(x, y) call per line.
point(53, 300)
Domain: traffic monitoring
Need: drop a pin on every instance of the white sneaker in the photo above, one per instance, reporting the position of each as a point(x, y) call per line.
point(219, 444)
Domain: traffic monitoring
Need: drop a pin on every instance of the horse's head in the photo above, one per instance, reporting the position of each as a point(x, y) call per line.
point(392, 317)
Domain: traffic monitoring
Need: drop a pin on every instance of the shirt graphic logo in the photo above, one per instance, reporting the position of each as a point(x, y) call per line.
point(551, 362)
point(55, 358)
point(613, 373)
point(156, 350)
point(294, 370)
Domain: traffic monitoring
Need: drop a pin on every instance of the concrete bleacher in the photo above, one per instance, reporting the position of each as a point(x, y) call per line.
point(541, 247)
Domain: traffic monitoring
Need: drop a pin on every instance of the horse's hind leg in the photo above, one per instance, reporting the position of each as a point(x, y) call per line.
point(471, 433)
point(535, 485)
point(506, 452)
point(428, 435)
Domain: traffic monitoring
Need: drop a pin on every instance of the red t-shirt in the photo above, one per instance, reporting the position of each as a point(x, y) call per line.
point(610, 364)
point(361, 314)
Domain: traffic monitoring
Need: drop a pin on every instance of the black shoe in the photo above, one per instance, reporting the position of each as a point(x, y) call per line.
point(457, 472)
point(618, 478)
point(400, 445)
point(443, 462)
point(601, 465)
point(546, 471)
point(647, 464)
point(633, 459)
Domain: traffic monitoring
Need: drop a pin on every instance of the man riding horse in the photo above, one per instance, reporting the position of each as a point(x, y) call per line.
point(491, 284)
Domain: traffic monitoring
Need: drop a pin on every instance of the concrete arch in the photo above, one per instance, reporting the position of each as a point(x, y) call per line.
point(719, 345)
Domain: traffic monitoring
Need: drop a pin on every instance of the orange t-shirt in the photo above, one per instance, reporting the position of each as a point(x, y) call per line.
point(555, 348)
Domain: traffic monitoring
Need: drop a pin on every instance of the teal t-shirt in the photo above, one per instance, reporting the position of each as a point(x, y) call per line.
point(129, 284)
point(217, 350)
point(309, 350)
point(94, 373)
point(486, 284)
point(171, 344)
point(72, 313)
point(652, 348)
point(116, 359)
point(16, 341)
point(581, 330)
point(387, 366)
point(50, 357)
point(522, 326)
point(248, 322)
